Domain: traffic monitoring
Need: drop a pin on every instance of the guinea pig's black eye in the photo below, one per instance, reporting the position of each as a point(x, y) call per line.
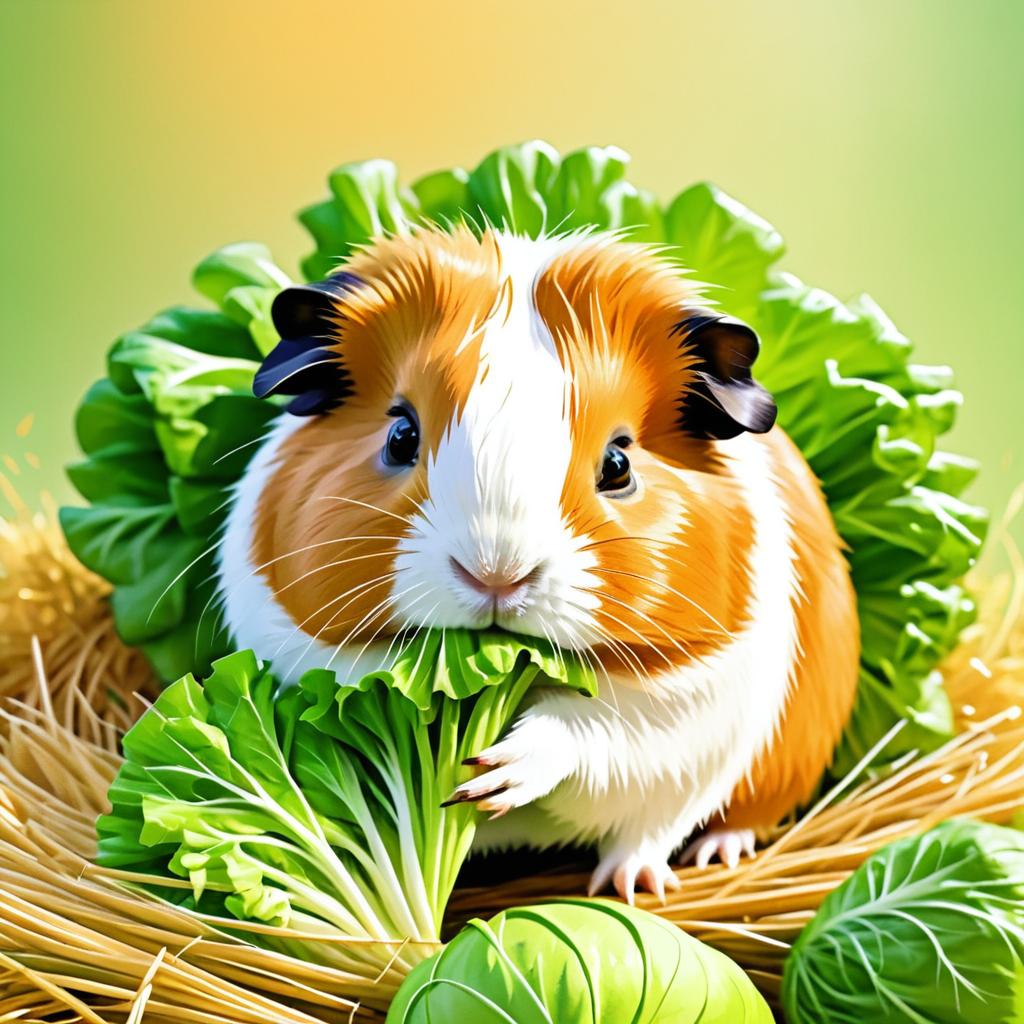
point(403, 443)
point(616, 480)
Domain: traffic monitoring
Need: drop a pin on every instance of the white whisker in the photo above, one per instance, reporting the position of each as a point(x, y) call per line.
point(356, 591)
point(332, 565)
point(636, 611)
point(368, 617)
point(366, 505)
point(671, 590)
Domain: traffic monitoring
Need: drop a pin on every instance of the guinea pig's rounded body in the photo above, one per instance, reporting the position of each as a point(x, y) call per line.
point(555, 437)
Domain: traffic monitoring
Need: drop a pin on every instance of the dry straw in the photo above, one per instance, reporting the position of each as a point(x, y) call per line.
point(45, 593)
point(80, 943)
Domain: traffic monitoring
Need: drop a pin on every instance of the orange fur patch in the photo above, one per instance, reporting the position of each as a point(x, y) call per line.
point(824, 680)
point(329, 522)
point(673, 559)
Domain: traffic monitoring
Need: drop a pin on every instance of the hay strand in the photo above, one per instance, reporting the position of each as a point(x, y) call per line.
point(72, 931)
point(47, 598)
point(82, 943)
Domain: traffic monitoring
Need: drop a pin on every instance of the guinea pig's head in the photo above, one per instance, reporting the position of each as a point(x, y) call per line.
point(532, 434)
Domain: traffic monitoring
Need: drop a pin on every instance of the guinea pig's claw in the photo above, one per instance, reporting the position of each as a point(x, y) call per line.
point(631, 872)
point(519, 769)
point(654, 878)
point(464, 795)
point(657, 879)
point(729, 844)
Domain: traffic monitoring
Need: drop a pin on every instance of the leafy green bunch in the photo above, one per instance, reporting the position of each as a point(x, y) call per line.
point(165, 435)
point(312, 821)
point(174, 423)
point(317, 810)
point(929, 930)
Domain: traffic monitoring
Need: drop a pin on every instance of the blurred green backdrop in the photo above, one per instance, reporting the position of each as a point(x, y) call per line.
point(883, 139)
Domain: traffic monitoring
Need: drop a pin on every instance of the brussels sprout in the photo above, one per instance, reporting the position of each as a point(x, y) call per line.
point(577, 962)
point(929, 930)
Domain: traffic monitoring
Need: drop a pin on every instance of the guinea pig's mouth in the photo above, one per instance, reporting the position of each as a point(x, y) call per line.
point(496, 594)
point(494, 629)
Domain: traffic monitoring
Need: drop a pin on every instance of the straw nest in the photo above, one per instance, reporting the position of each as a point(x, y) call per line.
point(80, 943)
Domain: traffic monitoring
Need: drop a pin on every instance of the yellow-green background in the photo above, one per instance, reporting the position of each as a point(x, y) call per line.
point(883, 138)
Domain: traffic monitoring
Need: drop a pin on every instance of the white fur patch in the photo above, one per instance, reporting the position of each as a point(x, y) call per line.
point(496, 479)
point(647, 768)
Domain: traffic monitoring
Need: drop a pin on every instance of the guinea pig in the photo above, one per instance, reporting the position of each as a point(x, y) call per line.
point(557, 437)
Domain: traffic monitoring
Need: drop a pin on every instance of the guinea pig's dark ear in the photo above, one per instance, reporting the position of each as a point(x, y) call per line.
point(305, 363)
point(724, 400)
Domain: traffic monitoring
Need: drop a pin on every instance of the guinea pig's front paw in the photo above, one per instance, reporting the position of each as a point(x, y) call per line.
point(628, 870)
point(729, 844)
point(522, 767)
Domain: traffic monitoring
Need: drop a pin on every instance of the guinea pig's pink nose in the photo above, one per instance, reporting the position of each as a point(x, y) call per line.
point(500, 584)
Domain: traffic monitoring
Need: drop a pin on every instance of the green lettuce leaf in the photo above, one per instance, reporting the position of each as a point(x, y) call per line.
point(928, 930)
point(164, 436)
point(868, 420)
point(318, 808)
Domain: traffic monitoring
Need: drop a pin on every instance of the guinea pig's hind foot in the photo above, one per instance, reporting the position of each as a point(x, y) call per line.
point(729, 844)
point(632, 870)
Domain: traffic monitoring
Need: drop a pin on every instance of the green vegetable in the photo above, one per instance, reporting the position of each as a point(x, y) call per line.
point(174, 424)
point(929, 930)
point(165, 435)
point(319, 808)
point(577, 962)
